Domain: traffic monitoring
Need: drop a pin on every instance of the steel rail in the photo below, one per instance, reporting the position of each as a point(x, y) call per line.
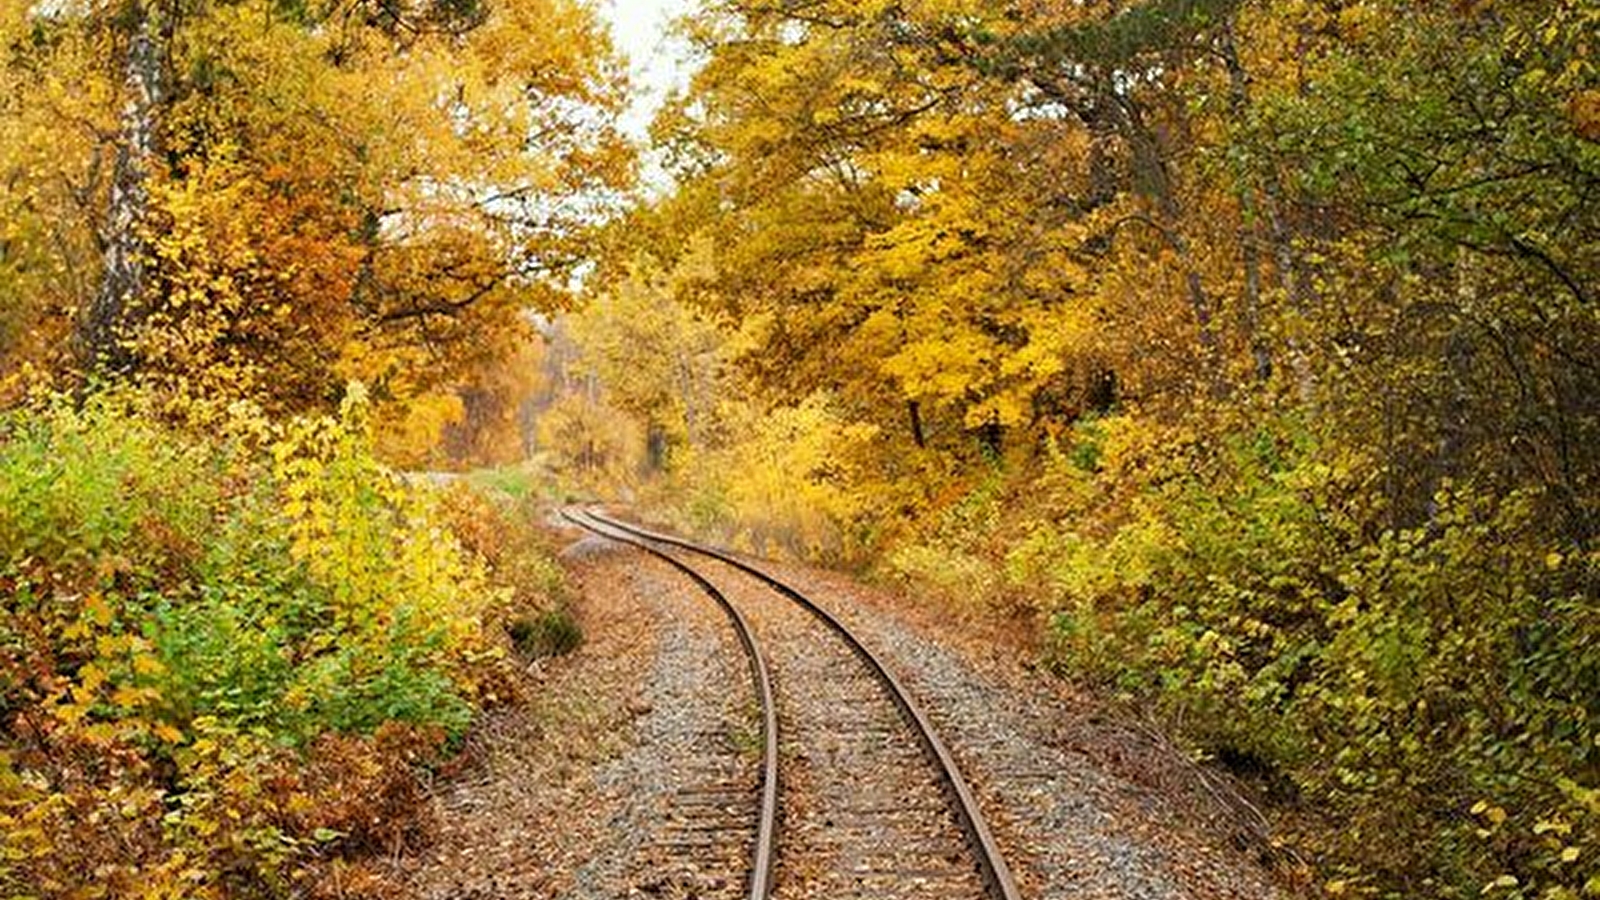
point(996, 874)
point(762, 868)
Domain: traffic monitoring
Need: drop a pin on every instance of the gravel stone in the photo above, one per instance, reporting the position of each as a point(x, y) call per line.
point(1071, 827)
point(634, 770)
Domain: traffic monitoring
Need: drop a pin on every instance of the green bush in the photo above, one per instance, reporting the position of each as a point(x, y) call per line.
point(1432, 688)
point(206, 611)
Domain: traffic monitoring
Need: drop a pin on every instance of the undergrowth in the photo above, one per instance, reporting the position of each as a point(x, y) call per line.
point(229, 654)
point(1419, 699)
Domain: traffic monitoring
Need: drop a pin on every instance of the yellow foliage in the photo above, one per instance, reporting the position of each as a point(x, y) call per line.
point(414, 440)
point(240, 643)
point(593, 444)
point(338, 199)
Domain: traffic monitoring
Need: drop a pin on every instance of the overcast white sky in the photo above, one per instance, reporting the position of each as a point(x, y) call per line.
point(640, 27)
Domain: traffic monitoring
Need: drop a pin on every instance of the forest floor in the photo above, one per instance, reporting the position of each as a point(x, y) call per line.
point(570, 795)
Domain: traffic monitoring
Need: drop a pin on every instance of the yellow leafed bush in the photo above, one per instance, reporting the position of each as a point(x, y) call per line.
point(223, 657)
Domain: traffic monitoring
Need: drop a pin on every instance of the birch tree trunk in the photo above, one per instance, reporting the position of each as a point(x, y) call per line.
point(102, 329)
point(1294, 284)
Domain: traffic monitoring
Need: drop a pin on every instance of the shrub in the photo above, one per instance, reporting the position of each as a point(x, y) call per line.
point(1429, 687)
point(223, 656)
point(498, 525)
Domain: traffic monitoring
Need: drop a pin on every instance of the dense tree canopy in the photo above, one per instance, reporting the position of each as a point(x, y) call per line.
point(1244, 353)
point(1020, 213)
point(275, 197)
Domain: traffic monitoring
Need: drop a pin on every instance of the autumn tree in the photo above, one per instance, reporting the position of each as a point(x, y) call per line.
point(658, 359)
point(287, 196)
point(933, 188)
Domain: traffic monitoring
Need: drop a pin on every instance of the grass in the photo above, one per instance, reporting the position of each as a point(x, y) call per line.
point(521, 481)
point(545, 634)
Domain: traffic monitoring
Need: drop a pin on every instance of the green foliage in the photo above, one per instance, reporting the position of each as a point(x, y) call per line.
point(75, 490)
point(1430, 688)
point(1395, 680)
point(550, 633)
point(1119, 40)
point(521, 482)
point(209, 611)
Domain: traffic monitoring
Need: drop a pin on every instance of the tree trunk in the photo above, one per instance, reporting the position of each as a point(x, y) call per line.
point(914, 409)
point(103, 328)
point(1152, 178)
point(1239, 104)
point(1293, 283)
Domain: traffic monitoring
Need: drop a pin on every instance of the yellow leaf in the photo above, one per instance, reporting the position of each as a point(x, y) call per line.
point(1504, 881)
point(130, 697)
point(1556, 825)
point(96, 608)
point(91, 676)
point(145, 664)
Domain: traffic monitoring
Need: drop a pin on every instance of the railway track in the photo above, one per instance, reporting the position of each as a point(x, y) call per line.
point(707, 820)
point(872, 803)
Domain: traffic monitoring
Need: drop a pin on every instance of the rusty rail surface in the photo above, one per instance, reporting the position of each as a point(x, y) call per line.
point(996, 874)
point(764, 856)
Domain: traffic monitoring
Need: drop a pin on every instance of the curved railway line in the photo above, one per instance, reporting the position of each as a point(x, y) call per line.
point(886, 826)
point(762, 851)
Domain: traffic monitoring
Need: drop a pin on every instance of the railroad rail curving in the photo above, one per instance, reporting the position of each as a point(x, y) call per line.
point(764, 853)
point(995, 873)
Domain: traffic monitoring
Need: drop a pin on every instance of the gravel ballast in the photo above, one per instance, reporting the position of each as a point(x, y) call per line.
point(633, 771)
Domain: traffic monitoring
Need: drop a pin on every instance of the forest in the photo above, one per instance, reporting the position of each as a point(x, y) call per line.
point(1240, 358)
